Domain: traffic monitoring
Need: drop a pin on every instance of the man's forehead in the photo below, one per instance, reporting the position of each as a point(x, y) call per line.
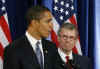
point(67, 31)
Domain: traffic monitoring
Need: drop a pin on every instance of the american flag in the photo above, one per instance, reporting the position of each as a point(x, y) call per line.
point(5, 37)
point(63, 11)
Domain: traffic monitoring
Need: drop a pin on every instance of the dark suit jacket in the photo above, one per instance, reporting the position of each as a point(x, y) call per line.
point(20, 55)
point(78, 62)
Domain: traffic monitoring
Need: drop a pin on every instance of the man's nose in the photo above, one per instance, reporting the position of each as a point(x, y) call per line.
point(68, 39)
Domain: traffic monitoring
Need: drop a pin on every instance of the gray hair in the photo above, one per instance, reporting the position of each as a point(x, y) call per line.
point(69, 26)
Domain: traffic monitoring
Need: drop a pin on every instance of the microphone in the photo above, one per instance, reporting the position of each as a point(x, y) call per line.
point(73, 64)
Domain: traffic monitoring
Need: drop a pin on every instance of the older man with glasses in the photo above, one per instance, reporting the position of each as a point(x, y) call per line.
point(67, 37)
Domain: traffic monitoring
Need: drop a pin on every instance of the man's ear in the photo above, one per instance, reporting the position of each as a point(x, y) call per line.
point(34, 22)
point(76, 40)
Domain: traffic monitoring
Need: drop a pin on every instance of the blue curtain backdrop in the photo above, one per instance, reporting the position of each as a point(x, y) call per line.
point(86, 26)
point(85, 16)
point(16, 10)
point(97, 34)
point(82, 18)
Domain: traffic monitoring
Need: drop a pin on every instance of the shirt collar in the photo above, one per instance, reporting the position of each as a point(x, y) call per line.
point(63, 55)
point(31, 39)
point(33, 42)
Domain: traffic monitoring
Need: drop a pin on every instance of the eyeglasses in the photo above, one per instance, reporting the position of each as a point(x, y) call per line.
point(65, 37)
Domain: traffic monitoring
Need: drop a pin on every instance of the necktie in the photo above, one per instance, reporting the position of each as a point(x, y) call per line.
point(67, 58)
point(67, 62)
point(39, 55)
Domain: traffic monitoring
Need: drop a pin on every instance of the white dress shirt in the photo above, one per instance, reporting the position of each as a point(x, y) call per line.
point(63, 55)
point(33, 42)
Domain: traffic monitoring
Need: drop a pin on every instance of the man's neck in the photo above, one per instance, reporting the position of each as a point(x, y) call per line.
point(66, 52)
point(34, 34)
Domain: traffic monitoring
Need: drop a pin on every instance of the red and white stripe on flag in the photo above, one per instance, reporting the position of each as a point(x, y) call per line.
point(77, 47)
point(5, 36)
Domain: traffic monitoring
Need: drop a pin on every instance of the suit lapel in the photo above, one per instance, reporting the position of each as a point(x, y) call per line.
point(45, 47)
point(76, 61)
point(45, 51)
point(30, 54)
point(75, 58)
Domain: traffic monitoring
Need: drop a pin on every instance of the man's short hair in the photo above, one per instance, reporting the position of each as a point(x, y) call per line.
point(69, 26)
point(35, 13)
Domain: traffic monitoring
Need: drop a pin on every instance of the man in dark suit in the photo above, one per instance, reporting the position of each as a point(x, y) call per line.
point(67, 37)
point(32, 51)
